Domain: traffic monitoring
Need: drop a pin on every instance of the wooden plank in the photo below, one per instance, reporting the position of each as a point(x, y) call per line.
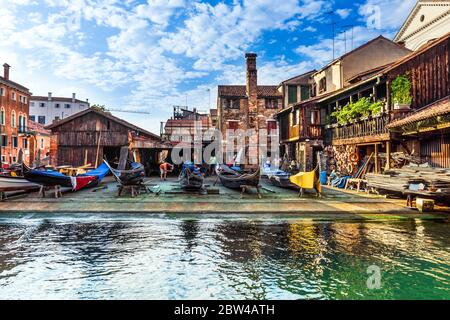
point(123, 158)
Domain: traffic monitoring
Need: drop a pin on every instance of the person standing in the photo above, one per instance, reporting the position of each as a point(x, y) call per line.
point(212, 164)
point(164, 168)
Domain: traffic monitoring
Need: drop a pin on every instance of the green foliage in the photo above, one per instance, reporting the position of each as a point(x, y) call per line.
point(361, 108)
point(99, 107)
point(401, 90)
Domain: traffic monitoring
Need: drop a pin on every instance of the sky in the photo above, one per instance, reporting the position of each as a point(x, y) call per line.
point(150, 55)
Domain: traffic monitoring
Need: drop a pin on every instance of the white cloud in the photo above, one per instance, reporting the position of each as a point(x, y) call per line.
point(343, 13)
point(390, 13)
point(310, 29)
point(321, 52)
point(213, 34)
point(159, 11)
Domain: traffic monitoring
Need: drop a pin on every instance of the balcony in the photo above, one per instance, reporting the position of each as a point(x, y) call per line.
point(311, 131)
point(365, 130)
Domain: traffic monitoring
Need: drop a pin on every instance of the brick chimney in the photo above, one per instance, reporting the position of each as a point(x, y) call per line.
point(252, 82)
point(6, 71)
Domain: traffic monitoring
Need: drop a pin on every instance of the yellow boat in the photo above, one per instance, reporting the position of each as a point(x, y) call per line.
point(307, 180)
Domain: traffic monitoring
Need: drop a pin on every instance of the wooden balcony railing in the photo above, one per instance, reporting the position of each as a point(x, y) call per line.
point(312, 131)
point(360, 128)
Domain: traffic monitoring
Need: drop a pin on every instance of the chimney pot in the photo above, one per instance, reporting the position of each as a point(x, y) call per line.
point(49, 96)
point(6, 68)
point(73, 97)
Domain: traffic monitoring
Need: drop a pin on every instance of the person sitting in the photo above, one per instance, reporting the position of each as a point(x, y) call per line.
point(164, 168)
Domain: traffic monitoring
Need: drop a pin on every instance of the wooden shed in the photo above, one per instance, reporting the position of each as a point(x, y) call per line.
point(91, 135)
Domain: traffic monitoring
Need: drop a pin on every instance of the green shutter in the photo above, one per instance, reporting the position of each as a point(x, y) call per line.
point(304, 93)
point(292, 94)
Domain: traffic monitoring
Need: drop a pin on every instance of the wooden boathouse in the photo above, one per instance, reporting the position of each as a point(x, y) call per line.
point(91, 135)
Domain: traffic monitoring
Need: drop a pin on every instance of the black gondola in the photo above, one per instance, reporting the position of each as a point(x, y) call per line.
point(47, 178)
point(233, 179)
point(191, 178)
point(134, 175)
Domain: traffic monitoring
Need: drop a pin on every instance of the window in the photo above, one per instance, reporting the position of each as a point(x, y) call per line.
point(31, 104)
point(2, 92)
point(271, 103)
point(2, 116)
point(57, 106)
point(42, 105)
point(33, 118)
point(271, 126)
point(322, 85)
point(233, 125)
point(15, 142)
point(23, 99)
point(4, 140)
point(231, 103)
point(315, 117)
point(14, 159)
point(13, 119)
point(304, 93)
point(13, 96)
point(312, 90)
point(42, 143)
point(41, 119)
point(3, 158)
point(67, 106)
point(292, 94)
point(25, 143)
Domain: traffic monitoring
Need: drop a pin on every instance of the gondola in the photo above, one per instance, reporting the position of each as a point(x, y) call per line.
point(14, 182)
point(134, 175)
point(52, 178)
point(234, 179)
point(277, 177)
point(191, 178)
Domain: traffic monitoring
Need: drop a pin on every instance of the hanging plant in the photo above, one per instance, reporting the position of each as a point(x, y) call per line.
point(401, 90)
point(353, 110)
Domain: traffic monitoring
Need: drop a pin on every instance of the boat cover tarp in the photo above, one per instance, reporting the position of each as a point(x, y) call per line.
point(100, 173)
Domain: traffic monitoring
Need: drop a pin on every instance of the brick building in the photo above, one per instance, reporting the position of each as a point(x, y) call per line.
point(14, 111)
point(247, 107)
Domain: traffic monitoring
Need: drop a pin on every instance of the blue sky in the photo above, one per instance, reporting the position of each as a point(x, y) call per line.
point(150, 55)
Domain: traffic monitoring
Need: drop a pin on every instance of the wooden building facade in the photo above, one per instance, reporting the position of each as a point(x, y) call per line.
point(91, 135)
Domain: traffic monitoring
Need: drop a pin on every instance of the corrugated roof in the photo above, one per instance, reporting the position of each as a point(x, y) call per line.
point(432, 110)
point(240, 91)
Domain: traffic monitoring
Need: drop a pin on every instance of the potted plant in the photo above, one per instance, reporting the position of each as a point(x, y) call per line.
point(401, 92)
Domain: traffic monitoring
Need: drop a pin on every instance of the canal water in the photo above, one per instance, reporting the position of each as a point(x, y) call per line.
point(205, 257)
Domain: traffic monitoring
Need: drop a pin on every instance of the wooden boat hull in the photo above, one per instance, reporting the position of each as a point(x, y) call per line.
point(126, 177)
point(281, 181)
point(191, 181)
point(45, 178)
point(7, 182)
point(235, 180)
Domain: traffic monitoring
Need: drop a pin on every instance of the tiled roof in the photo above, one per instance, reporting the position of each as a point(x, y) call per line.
point(57, 99)
point(435, 109)
point(240, 91)
point(38, 128)
point(14, 85)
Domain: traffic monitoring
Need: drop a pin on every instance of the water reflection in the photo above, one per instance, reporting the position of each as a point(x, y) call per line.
point(148, 257)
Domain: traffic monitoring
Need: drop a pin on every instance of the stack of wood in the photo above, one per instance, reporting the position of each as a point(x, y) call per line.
point(399, 180)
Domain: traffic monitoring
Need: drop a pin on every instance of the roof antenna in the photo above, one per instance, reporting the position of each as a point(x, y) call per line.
point(333, 24)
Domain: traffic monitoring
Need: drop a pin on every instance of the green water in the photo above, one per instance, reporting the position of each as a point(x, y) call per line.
point(202, 257)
